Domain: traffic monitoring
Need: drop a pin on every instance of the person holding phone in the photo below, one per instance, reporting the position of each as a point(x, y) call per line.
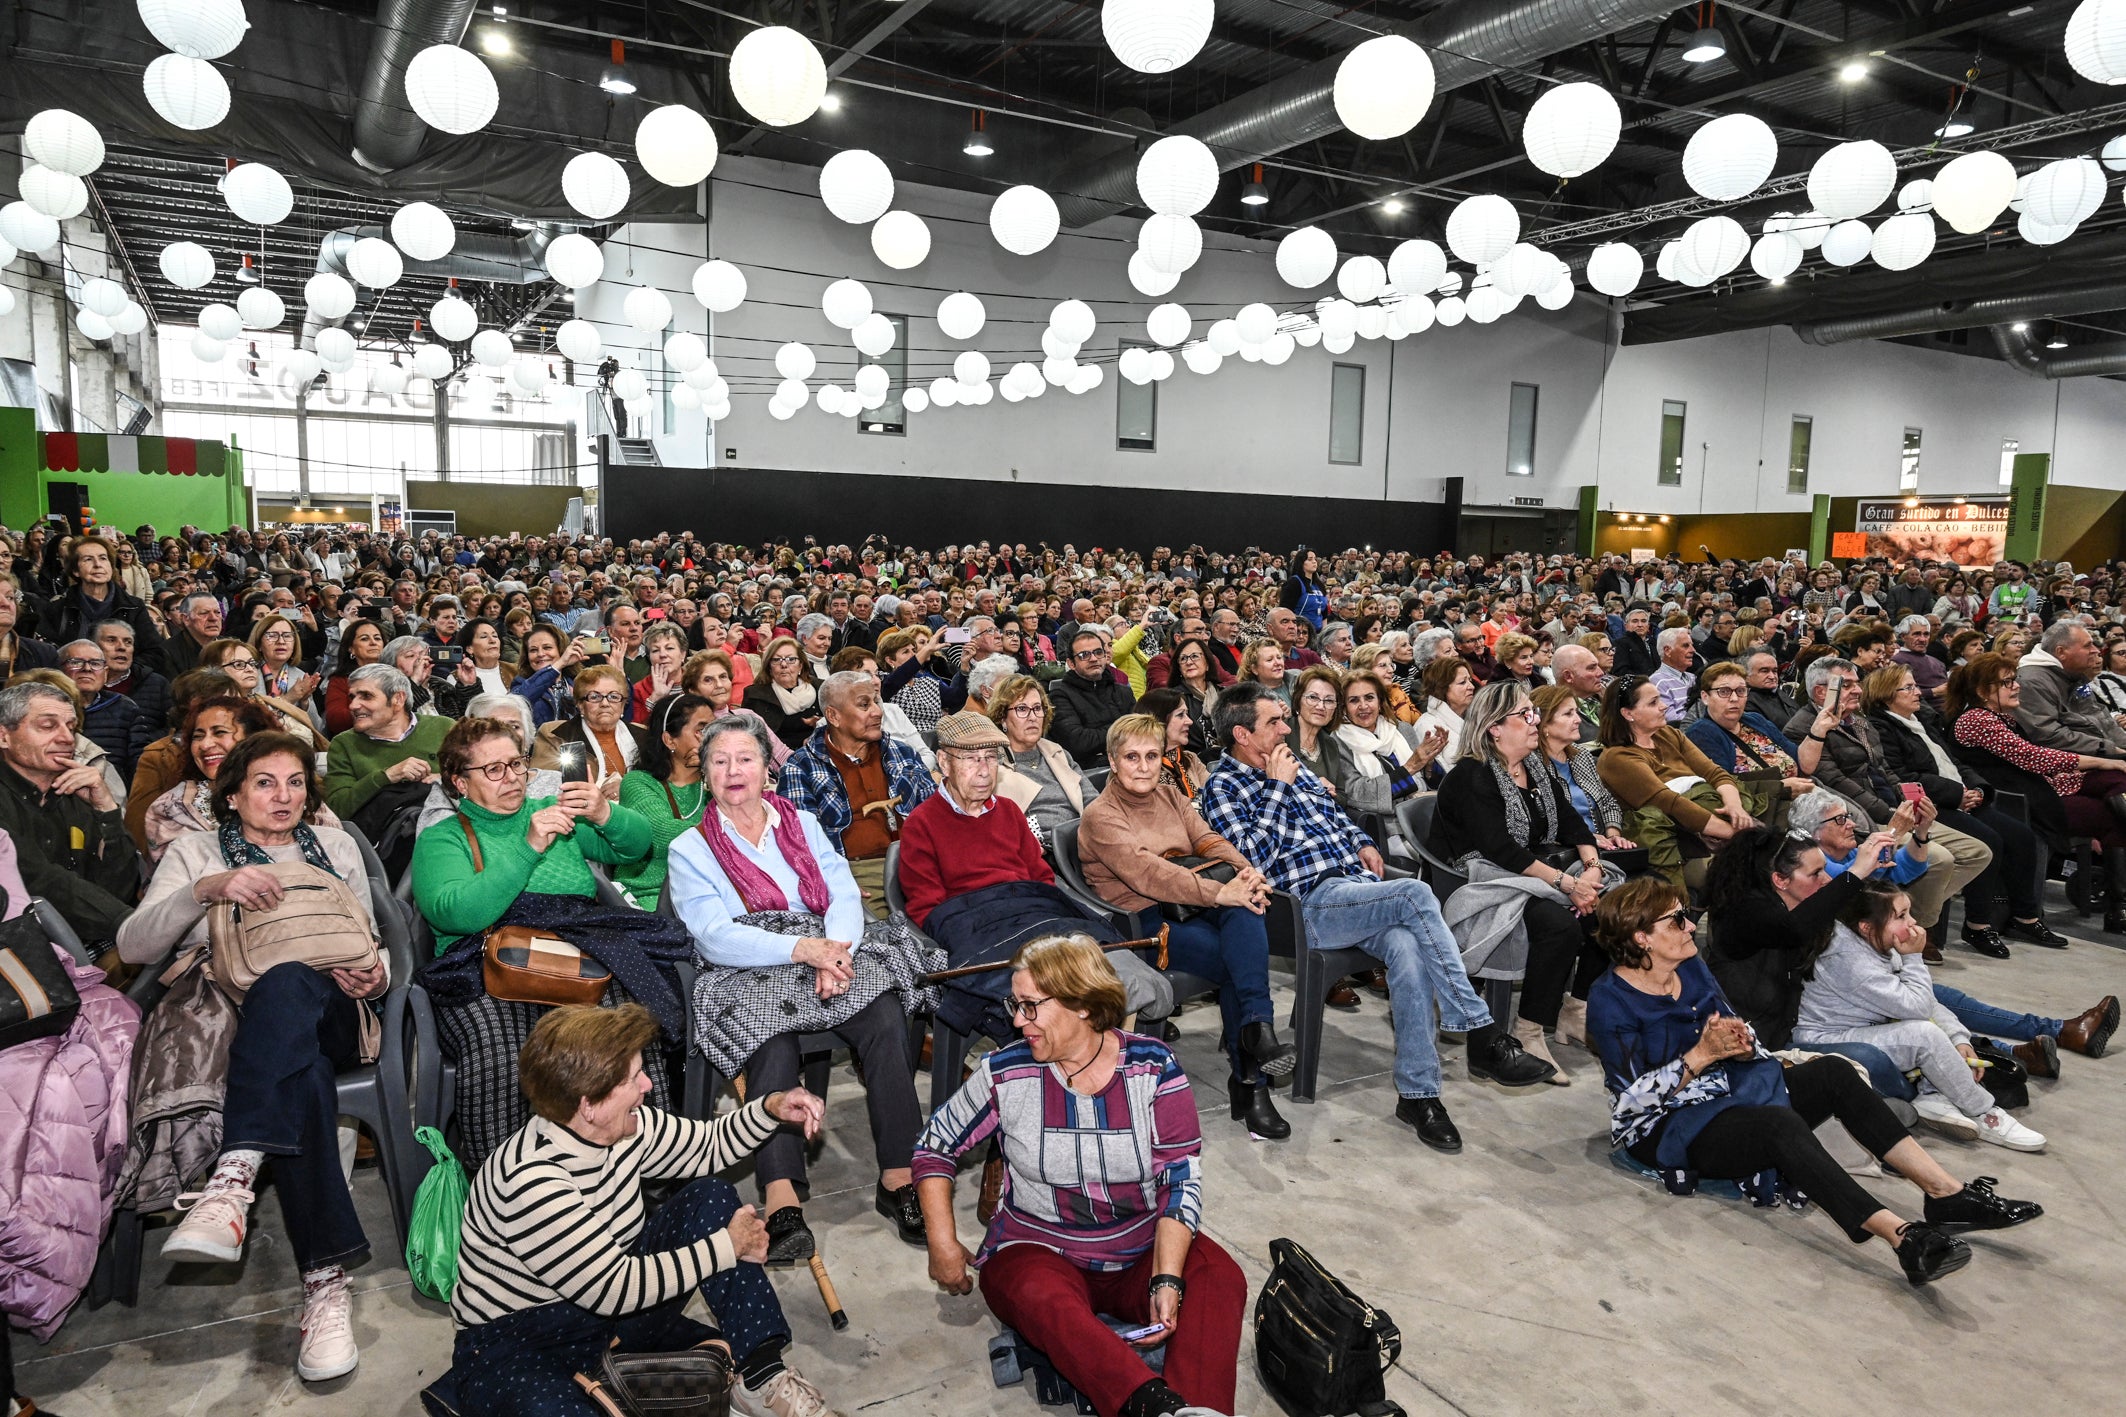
point(610, 744)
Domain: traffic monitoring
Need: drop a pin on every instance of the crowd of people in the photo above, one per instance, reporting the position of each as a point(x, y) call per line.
point(1708, 821)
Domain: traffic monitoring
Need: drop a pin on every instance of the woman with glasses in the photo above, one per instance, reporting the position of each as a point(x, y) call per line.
point(1037, 651)
point(277, 644)
point(133, 577)
point(1317, 708)
point(1643, 758)
point(610, 745)
point(1742, 741)
point(665, 788)
point(1694, 1093)
point(784, 697)
point(236, 659)
point(1037, 774)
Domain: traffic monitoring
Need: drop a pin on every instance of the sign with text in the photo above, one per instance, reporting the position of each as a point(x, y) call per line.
point(1970, 531)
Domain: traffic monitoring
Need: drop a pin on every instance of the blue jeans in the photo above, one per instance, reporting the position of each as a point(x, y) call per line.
point(1398, 923)
point(1230, 946)
point(1885, 1076)
point(1994, 1023)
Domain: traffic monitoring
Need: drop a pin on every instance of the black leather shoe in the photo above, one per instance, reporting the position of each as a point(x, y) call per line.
point(1975, 1207)
point(1987, 941)
point(789, 1239)
point(2037, 932)
point(1434, 1127)
point(906, 1213)
point(1928, 1253)
point(1259, 1041)
point(1496, 1055)
point(1252, 1105)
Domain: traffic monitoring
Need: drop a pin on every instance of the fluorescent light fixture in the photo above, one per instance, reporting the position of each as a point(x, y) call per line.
point(1853, 72)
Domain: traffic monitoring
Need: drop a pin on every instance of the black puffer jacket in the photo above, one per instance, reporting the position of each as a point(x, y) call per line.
point(1084, 709)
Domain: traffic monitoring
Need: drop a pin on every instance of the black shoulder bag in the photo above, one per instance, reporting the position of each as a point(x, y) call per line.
point(1321, 1350)
point(37, 995)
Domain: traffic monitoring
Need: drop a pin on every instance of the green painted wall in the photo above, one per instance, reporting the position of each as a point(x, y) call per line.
point(120, 499)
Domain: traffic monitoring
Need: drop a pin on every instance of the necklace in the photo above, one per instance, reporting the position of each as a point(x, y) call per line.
point(1098, 1049)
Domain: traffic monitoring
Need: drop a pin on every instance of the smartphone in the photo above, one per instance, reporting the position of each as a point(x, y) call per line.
point(373, 613)
point(956, 636)
point(448, 657)
point(575, 762)
point(1912, 792)
point(1138, 1335)
point(596, 644)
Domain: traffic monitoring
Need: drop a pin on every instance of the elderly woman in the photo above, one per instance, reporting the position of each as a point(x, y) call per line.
point(1039, 774)
point(608, 742)
point(1693, 1093)
point(507, 858)
point(1067, 1243)
point(1179, 767)
point(550, 659)
point(1128, 846)
point(1388, 758)
point(1744, 742)
point(785, 698)
point(708, 674)
point(236, 659)
point(517, 716)
point(1035, 648)
point(481, 639)
point(761, 887)
point(665, 646)
point(1449, 686)
point(558, 1265)
point(1644, 758)
point(1317, 708)
point(1516, 656)
point(1262, 662)
point(361, 643)
point(277, 643)
point(297, 1027)
point(208, 731)
point(815, 636)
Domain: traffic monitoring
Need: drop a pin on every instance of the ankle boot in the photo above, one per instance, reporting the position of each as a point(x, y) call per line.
point(1572, 1021)
point(2114, 905)
point(1535, 1045)
point(1937, 936)
point(1252, 1105)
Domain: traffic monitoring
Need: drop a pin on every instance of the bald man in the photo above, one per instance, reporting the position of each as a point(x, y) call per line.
point(1576, 668)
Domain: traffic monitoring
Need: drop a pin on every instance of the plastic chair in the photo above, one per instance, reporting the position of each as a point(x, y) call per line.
point(1414, 816)
point(59, 932)
point(1070, 875)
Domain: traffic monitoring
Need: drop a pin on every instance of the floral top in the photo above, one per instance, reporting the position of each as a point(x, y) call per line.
point(1986, 730)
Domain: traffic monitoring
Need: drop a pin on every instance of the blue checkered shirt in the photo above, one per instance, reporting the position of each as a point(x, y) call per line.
point(809, 779)
point(1296, 835)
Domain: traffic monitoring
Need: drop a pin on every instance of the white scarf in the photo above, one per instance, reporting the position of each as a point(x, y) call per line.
point(797, 700)
point(1943, 764)
point(1366, 746)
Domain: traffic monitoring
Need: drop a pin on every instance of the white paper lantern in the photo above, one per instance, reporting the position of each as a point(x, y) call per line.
point(1073, 320)
point(778, 76)
point(1024, 220)
point(1372, 322)
point(1710, 248)
point(105, 296)
point(1809, 229)
point(1159, 364)
point(388, 380)
point(1972, 191)
point(1148, 280)
point(1202, 359)
point(1450, 311)
point(1171, 244)
point(1415, 313)
point(257, 194)
point(1482, 228)
point(1572, 129)
point(971, 367)
point(1555, 297)
point(978, 395)
point(1848, 243)
point(872, 381)
point(7, 301)
point(944, 393)
point(59, 195)
point(594, 185)
point(493, 349)
point(1450, 284)
point(187, 93)
point(198, 29)
point(260, 309)
point(1415, 266)
point(453, 319)
point(1852, 179)
point(1223, 336)
point(1306, 256)
point(1362, 278)
point(205, 348)
point(218, 321)
point(705, 378)
point(329, 295)
point(64, 141)
point(780, 412)
point(1665, 262)
point(1383, 87)
point(2038, 233)
point(1134, 364)
point(1775, 257)
point(2113, 157)
point(1086, 379)
point(719, 286)
point(1522, 269)
point(1729, 158)
point(856, 186)
point(2096, 41)
point(451, 90)
point(1614, 268)
point(1155, 36)
point(1256, 322)
point(433, 361)
point(423, 231)
point(97, 329)
point(647, 309)
point(914, 400)
point(675, 145)
point(579, 341)
point(960, 315)
point(1336, 316)
point(1168, 324)
point(901, 240)
point(1057, 371)
point(130, 319)
point(1916, 196)
point(631, 386)
point(1485, 304)
point(375, 263)
point(1177, 176)
point(685, 352)
point(335, 346)
point(874, 336)
point(1903, 241)
point(299, 369)
point(719, 410)
point(2062, 193)
point(845, 303)
point(574, 260)
point(795, 360)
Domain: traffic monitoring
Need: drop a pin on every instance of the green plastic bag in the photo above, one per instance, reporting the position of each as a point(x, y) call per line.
point(438, 1216)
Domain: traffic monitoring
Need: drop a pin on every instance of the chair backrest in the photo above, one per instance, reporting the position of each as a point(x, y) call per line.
point(1065, 855)
point(895, 901)
point(394, 927)
point(1414, 816)
point(58, 931)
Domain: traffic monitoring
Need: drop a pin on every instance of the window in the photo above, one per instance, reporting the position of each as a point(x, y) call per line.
point(889, 417)
point(1797, 454)
point(1136, 411)
point(1520, 431)
point(2009, 448)
point(1670, 471)
point(1347, 412)
point(1908, 463)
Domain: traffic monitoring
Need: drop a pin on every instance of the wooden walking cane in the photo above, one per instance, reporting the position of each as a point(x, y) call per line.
point(827, 1296)
point(939, 976)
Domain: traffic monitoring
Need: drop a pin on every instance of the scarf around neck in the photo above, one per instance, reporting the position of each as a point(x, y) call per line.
point(1943, 763)
point(798, 699)
point(1518, 821)
point(1369, 746)
point(238, 851)
point(755, 887)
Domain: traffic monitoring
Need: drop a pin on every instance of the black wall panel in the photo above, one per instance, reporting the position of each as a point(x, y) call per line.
point(752, 505)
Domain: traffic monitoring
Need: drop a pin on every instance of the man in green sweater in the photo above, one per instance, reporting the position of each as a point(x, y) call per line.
point(386, 761)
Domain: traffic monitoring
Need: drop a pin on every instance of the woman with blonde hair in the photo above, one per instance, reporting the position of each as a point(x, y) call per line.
point(1262, 662)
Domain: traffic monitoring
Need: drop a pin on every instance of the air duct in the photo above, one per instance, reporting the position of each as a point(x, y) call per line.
point(387, 132)
point(498, 260)
point(1467, 41)
point(2019, 348)
point(2084, 299)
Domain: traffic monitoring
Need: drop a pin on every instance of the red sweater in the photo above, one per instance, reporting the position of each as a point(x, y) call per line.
point(945, 853)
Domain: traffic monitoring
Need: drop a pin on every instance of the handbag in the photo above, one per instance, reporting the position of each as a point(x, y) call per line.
point(318, 922)
point(2007, 1079)
point(1210, 868)
point(693, 1382)
point(1320, 1349)
point(520, 965)
point(37, 995)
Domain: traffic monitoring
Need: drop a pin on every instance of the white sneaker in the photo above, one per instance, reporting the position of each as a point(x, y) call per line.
point(788, 1394)
point(1941, 1114)
point(328, 1349)
point(213, 1228)
point(2001, 1129)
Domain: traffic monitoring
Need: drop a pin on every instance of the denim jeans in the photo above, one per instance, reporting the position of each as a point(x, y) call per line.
point(1994, 1023)
point(1398, 923)
point(1230, 946)
point(1885, 1076)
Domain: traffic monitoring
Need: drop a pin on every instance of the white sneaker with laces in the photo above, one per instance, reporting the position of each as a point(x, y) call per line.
point(1998, 1127)
point(788, 1394)
point(1940, 1113)
point(213, 1228)
point(328, 1349)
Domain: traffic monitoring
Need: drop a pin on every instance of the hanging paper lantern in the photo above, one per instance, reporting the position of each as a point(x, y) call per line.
point(704, 377)
point(130, 319)
point(795, 361)
point(872, 381)
point(1848, 243)
point(97, 329)
point(1383, 87)
point(944, 392)
point(1134, 364)
point(1665, 262)
point(647, 309)
point(1168, 324)
point(1086, 379)
point(1809, 229)
point(1729, 158)
point(63, 141)
point(1852, 179)
point(218, 321)
point(1522, 269)
point(1336, 316)
point(1058, 372)
point(2062, 193)
point(1450, 312)
point(1776, 256)
point(1256, 322)
point(845, 303)
point(1306, 256)
point(260, 308)
point(1572, 129)
point(2113, 156)
point(2096, 41)
point(1614, 268)
point(594, 185)
point(1711, 247)
point(1155, 36)
point(25, 228)
point(675, 145)
point(187, 93)
point(528, 377)
point(330, 296)
point(1159, 363)
point(979, 394)
point(720, 286)
point(778, 76)
point(205, 348)
point(780, 411)
point(335, 347)
point(1024, 220)
point(901, 240)
point(375, 263)
point(1073, 320)
point(257, 194)
point(1147, 280)
point(451, 90)
point(59, 195)
point(1362, 278)
point(574, 260)
point(1917, 196)
point(1973, 190)
point(1482, 228)
point(1555, 297)
point(971, 367)
point(1177, 176)
point(914, 400)
point(685, 352)
point(856, 186)
point(423, 231)
point(453, 319)
point(433, 361)
point(874, 336)
point(388, 380)
point(960, 315)
point(1372, 323)
point(1485, 304)
point(1416, 266)
point(579, 341)
point(1904, 240)
point(1450, 283)
point(2038, 233)
point(794, 392)
point(630, 384)
point(197, 29)
point(1171, 244)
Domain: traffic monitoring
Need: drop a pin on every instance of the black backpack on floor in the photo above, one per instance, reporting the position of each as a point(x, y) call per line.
point(1321, 1350)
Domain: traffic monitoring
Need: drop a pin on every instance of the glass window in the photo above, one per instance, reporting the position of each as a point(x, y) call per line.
point(890, 417)
point(1797, 453)
point(1136, 411)
point(1670, 471)
point(2009, 448)
point(1347, 412)
point(1520, 431)
point(1908, 464)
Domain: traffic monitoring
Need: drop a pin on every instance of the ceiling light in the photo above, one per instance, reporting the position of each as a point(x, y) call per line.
point(1853, 72)
point(1393, 206)
point(247, 273)
point(2020, 327)
point(494, 41)
point(1954, 128)
point(830, 102)
point(1705, 46)
point(977, 144)
point(2056, 342)
point(615, 80)
point(1255, 194)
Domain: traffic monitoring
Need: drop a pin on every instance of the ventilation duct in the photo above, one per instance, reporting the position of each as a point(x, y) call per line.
point(2084, 299)
point(2020, 349)
point(498, 260)
point(387, 132)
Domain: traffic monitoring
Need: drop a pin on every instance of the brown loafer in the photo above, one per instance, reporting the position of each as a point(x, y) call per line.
point(2089, 1032)
point(1343, 996)
point(1377, 980)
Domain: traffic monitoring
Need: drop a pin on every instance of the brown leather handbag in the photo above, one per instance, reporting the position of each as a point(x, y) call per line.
point(521, 965)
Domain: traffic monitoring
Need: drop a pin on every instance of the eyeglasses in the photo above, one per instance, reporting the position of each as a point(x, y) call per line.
point(606, 698)
point(239, 664)
point(1026, 1008)
point(1731, 691)
point(1679, 917)
point(1089, 655)
point(1326, 701)
point(1026, 710)
point(502, 771)
point(990, 756)
point(81, 663)
point(784, 659)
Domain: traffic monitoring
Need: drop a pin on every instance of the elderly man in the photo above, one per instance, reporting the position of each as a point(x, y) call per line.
point(199, 622)
point(1908, 597)
point(69, 834)
point(109, 719)
point(385, 762)
point(1474, 650)
point(1760, 670)
point(1088, 699)
point(1674, 681)
point(975, 881)
point(1290, 632)
point(1225, 640)
point(1577, 669)
point(1286, 821)
point(623, 624)
point(124, 673)
point(859, 783)
point(1914, 634)
point(1635, 649)
point(2057, 710)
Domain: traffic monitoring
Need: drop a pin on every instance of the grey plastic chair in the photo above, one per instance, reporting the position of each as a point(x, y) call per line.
point(1070, 875)
point(59, 932)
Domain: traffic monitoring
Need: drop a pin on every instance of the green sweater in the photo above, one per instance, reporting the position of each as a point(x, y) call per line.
point(355, 763)
point(644, 794)
point(458, 901)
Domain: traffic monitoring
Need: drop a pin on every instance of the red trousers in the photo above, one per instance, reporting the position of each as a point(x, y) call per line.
point(1055, 1306)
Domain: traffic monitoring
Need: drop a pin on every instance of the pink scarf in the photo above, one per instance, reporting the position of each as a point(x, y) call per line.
point(753, 885)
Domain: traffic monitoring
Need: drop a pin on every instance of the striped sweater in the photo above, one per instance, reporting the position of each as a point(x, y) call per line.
point(553, 1217)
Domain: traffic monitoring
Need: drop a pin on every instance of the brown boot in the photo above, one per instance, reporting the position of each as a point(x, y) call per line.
point(1937, 936)
point(1343, 996)
point(2040, 1056)
point(2090, 1031)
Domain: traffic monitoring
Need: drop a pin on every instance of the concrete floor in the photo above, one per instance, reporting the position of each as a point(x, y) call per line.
point(1527, 1274)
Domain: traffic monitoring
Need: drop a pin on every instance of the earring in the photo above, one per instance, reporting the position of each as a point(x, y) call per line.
point(1083, 1014)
